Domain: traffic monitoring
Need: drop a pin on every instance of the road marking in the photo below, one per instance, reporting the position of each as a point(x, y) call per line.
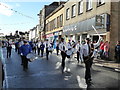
point(58, 64)
point(81, 82)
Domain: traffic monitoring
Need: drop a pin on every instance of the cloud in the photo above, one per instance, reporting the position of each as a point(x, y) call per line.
point(5, 9)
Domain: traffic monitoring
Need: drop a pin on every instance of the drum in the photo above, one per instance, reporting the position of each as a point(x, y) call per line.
point(32, 57)
point(69, 52)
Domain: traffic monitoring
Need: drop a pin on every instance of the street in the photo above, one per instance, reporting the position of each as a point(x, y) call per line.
point(44, 73)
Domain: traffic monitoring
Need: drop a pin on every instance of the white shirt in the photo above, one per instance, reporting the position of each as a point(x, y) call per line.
point(47, 44)
point(62, 44)
point(78, 46)
point(38, 44)
point(69, 45)
point(85, 49)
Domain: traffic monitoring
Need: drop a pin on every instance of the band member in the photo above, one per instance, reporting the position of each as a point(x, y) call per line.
point(25, 49)
point(47, 45)
point(57, 47)
point(88, 50)
point(78, 47)
point(69, 49)
point(62, 48)
point(42, 46)
point(9, 48)
point(16, 46)
point(38, 47)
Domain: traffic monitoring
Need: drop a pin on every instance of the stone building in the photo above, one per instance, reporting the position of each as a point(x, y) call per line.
point(54, 24)
point(44, 13)
point(80, 16)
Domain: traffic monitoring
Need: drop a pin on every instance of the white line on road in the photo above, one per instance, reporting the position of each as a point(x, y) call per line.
point(58, 64)
point(81, 82)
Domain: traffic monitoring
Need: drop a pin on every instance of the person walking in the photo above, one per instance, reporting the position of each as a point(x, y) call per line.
point(117, 52)
point(47, 46)
point(25, 49)
point(34, 47)
point(9, 48)
point(19, 45)
point(87, 50)
point(62, 48)
point(16, 46)
point(78, 48)
point(42, 46)
point(38, 47)
point(57, 47)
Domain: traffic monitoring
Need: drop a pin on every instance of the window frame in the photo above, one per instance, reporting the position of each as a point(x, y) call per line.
point(89, 5)
point(99, 4)
point(67, 13)
point(73, 11)
point(79, 7)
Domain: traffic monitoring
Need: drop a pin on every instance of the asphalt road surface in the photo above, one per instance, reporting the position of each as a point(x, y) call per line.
point(44, 73)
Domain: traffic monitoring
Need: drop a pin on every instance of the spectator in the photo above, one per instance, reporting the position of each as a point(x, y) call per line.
point(117, 52)
point(106, 49)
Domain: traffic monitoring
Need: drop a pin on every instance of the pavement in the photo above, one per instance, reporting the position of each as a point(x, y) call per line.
point(108, 64)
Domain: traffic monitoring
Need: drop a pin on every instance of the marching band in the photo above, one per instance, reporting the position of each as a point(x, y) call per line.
point(85, 52)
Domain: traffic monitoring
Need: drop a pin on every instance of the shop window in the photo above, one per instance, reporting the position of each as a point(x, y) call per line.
point(89, 5)
point(80, 7)
point(73, 10)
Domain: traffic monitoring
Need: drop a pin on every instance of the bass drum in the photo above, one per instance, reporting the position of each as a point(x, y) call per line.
point(32, 57)
point(69, 52)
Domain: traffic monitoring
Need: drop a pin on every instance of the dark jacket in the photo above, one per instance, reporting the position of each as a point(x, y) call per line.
point(42, 46)
point(25, 49)
point(117, 50)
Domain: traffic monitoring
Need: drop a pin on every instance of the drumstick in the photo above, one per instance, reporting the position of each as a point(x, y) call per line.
point(96, 31)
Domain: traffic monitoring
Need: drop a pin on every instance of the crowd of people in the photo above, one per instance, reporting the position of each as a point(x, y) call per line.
point(85, 52)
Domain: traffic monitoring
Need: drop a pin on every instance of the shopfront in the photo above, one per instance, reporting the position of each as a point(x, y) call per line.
point(83, 29)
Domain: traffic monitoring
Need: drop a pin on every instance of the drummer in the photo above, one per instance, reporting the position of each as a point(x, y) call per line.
point(25, 49)
point(69, 49)
point(62, 48)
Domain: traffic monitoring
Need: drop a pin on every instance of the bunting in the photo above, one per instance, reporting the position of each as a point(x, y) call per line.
point(17, 12)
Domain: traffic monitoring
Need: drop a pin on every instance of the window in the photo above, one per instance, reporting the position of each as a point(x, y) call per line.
point(73, 10)
point(100, 2)
point(67, 14)
point(61, 20)
point(55, 21)
point(80, 7)
point(89, 4)
point(58, 22)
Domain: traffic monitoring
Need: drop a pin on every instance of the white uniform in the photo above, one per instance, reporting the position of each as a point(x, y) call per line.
point(62, 46)
point(85, 50)
point(48, 45)
point(38, 44)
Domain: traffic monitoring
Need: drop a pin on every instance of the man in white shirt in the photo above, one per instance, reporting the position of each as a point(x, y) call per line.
point(47, 46)
point(62, 48)
point(79, 52)
point(38, 47)
point(87, 51)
